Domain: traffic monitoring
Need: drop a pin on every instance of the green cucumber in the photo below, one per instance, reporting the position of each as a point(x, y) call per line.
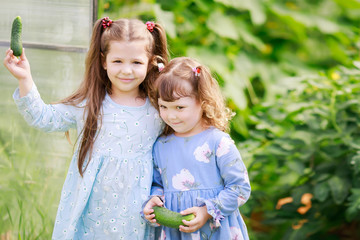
point(169, 218)
point(16, 43)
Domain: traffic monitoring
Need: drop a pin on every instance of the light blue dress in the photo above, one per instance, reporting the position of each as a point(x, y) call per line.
point(202, 169)
point(105, 203)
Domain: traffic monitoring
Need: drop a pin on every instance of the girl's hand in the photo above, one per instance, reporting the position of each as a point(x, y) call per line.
point(201, 217)
point(20, 69)
point(148, 211)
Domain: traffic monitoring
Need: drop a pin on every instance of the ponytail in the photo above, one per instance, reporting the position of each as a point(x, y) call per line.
point(93, 87)
point(160, 55)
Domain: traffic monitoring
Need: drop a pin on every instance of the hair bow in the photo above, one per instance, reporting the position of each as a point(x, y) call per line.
point(106, 22)
point(150, 26)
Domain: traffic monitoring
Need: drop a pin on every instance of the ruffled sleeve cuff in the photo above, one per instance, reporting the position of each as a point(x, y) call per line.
point(212, 210)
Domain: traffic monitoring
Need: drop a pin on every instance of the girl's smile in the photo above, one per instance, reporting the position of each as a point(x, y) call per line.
point(126, 65)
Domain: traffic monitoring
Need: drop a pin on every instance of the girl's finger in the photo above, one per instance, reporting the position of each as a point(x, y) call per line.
point(22, 56)
point(186, 229)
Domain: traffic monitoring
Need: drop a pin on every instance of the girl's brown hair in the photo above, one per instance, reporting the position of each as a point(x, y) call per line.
point(205, 89)
point(96, 83)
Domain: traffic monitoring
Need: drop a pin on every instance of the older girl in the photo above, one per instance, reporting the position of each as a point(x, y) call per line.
point(111, 169)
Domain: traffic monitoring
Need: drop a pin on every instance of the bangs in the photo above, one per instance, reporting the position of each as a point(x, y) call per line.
point(171, 89)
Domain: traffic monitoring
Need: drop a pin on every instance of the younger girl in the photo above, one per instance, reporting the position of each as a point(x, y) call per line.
point(197, 167)
point(111, 169)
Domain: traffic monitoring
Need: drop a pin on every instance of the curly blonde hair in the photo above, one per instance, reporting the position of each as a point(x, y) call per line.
point(169, 87)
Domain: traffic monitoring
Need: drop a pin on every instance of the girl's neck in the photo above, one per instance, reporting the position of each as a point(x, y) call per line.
point(128, 100)
point(200, 129)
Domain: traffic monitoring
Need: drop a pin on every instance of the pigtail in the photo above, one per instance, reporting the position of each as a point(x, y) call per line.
point(96, 84)
point(160, 55)
point(213, 102)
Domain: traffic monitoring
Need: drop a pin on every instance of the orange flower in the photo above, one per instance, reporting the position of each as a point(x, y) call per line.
point(283, 201)
point(306, 200)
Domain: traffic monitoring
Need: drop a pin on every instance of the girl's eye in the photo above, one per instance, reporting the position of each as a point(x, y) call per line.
point(179, 107)
point(136, 62)
point(162, 106)
point(117, 61)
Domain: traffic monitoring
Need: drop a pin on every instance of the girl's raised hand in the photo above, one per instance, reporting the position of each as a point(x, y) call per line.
point(18, 67)
point(148, 209)
point(201, 217)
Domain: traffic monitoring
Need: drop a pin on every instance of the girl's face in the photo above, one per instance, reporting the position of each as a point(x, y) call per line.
point(184, 115)
point(126, 64)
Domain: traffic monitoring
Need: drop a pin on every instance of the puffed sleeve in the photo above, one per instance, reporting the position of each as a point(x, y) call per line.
point(47, 117)
point(236, 182)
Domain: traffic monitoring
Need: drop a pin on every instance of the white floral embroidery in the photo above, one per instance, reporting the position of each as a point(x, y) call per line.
point(241, 200)
point(235, 233)
point(183, 181)
point(163, 235)
point(195, 236)
point(224, 146)
point(203, 153)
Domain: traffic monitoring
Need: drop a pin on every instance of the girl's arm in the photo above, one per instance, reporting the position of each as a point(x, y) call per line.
point(236, 182)
point(20, 69)
point(46, 117)
point(57, 117)
point(157, 188)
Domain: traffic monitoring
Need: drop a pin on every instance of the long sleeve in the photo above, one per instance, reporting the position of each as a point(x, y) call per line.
point(47, 117)
point(157, 188)
point(236, 181)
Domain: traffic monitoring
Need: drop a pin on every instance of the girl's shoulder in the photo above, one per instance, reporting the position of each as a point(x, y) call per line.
point(216, 134)
point(211, 135)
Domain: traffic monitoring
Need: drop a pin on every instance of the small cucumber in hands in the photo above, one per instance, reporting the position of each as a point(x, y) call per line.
point(169, 218)
point(16, 43)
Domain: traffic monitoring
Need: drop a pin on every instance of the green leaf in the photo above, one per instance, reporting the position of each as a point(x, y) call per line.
point(215, 60)
point(355, 162)
point(354, 205)
point(326, 26)
point(304, 136)
point(246, 35)
point(257, 12)
point(339, 189)
point(234, 89)
point(321, 191)
point(350, 4)
point(166, 18)
point(296, 166)
point(223, 25)
point(356, 64)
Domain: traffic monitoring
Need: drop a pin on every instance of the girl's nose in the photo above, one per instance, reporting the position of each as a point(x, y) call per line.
point(171, 116)
point(126, 69)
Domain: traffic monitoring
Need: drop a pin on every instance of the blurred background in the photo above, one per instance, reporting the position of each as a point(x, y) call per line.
point(290, 69)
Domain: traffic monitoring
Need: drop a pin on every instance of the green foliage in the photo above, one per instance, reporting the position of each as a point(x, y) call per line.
point(30, 187)
point(308, 141)
point(298, 131)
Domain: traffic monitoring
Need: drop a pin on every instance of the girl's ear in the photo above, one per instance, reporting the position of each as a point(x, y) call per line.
point(103, 60)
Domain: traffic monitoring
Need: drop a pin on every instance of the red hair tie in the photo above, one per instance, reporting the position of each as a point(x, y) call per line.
point(196, 70)
point(150, 26)
point(106, 22)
